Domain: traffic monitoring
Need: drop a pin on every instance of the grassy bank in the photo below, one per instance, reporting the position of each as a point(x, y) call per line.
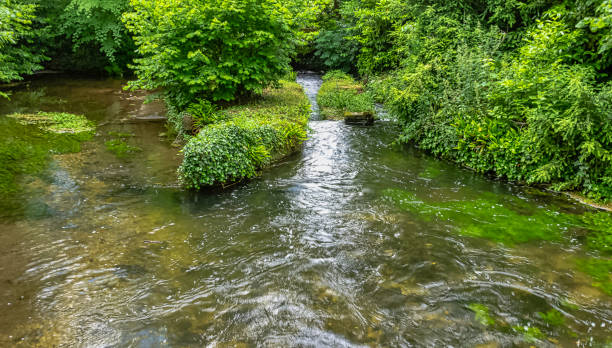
point(340, 93)
point(246, 138)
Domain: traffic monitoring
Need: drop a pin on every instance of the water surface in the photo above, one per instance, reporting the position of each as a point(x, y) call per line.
point(352, 242)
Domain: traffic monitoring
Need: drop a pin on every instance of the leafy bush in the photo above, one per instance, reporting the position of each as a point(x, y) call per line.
point(214, 50)
point(16, 58)
point(335, 50)
point(93, 25)
point(533, 116)
point(252, 136)
point(340, 93)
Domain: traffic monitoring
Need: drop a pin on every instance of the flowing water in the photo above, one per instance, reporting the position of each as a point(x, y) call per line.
point(352, 242)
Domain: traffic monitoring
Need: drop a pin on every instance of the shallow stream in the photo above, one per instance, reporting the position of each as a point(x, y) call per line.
point(354, 241)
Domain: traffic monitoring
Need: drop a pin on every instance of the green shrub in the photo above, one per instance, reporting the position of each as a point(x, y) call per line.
point(214, 49)
point(340, 93)
point(251, 136)
point(335, 50)
point(530, 116)
point(16, 58)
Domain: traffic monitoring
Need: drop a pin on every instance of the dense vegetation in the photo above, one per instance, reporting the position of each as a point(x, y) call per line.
point(247, 138)
point(518, 89)
point(17, 58)
point(340, 93)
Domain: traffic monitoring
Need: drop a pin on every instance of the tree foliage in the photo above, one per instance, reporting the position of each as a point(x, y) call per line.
point(514, 88)
point(213, 49)
point(17, 56)
point(92, 25)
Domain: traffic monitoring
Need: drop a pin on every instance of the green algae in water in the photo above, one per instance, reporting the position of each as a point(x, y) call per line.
point(553, 317)
point(487, 218)
point(57, 122)
point(121, 148)
point(26, 148)
point(599, 237)
point(531, 334)
point(481, 314)
point(601, 272)
point(121, 135)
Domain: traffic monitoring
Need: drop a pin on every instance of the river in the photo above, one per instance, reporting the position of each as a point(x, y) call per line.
point(354, 241)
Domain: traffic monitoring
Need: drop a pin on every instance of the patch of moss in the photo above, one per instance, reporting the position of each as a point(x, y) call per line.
point(57, 122)
point(121, 148)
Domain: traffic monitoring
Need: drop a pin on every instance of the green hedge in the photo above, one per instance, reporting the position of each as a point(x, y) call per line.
point(250, 138)
point(340, 93)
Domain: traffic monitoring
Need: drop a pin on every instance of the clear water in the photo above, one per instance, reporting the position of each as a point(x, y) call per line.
point(324, 249)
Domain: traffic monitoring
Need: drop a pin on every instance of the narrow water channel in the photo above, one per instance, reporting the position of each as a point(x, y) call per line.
point(352, 242)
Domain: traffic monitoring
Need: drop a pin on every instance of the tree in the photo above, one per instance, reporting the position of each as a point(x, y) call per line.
point(210, 49)
point(97, 25)
point(16, 58)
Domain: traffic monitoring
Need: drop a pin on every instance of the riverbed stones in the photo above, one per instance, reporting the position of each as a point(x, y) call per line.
point(359, 118)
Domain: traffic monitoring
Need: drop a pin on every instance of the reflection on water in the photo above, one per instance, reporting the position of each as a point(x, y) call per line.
point(314, 252)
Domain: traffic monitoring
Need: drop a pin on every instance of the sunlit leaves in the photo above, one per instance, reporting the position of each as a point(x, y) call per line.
point(215, 50)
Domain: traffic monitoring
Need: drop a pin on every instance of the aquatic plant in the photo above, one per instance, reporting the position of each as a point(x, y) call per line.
point(251, 136)
point(487, 218)
point(26, 149)
point(57, 122)
point(120, 147)
point(121, 135)
point(553, 317)
point(481, 314)
point(531, 334)
point(599, 237)
point(340, 93)
point(601, 272)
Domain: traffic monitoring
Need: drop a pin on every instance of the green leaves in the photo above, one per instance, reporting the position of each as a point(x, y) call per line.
point(535, 115)
point(248, 138)
point(215, 50)
point(17, 58)
point(340, 93)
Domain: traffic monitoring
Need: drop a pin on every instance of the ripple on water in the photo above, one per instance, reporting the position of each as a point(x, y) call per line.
point(314, 252)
